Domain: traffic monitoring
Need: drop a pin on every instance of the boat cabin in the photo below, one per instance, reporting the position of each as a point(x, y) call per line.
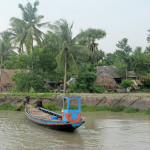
point(71, 109)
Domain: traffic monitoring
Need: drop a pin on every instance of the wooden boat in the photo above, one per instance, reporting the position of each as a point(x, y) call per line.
point(68, 121)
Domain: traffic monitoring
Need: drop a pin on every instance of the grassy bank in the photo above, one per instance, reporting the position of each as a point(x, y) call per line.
point(32, 95)
point(8, 106)
point(84, 108)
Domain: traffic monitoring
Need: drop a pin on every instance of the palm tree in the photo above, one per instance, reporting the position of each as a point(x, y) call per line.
point(88, 38)
point(5, 49)
point(17, 37)
point(62, 31)
point(26, 30)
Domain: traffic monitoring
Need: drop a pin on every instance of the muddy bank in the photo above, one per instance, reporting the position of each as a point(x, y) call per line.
point(135, 100)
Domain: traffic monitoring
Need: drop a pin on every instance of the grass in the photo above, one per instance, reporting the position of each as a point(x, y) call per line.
point(147, 111)
point(51, 106)
point(86, 108)
point(117, 108)
point(8, 106)
point(32, 95)
point(130, 110)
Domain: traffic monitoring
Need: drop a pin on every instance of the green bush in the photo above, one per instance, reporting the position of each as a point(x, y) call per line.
point(102, 108)
point(146, 82)
point(99, 88)
point(25, 81)
point(51, 106)
point(85, 84)
point(130, 110)
point(117, 108)
point(147, 111)
point(86, 108)
point(127, 83)
point(19, 108)
point(32, 90)
point(8, 106)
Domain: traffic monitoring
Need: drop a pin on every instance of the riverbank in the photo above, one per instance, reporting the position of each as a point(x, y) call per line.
point(84, 108)
point(140, 101)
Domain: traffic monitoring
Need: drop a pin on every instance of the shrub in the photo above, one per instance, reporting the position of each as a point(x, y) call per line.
point(130, 110)
point(94, 108)
point(51, 106)
point(99, 88)
point(117, 108)
point(102, 108)
point(146, 82)
point(85, 84)
point(32, 90)
point(6, 106)
point(147, 111)
point(127, 83)
point(19, 108)
point(25, 81)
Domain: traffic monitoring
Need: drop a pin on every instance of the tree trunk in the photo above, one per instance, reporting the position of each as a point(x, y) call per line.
point(1, 69)
point(65, 76)
point(32, 46)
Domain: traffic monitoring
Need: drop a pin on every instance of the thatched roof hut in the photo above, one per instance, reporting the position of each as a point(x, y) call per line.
point(139, 83)
point(6, 76)
point(104, 78)
point(131, 74)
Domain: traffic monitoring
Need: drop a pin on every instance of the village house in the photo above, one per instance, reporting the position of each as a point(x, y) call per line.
point(108, 76)
point(6, 81)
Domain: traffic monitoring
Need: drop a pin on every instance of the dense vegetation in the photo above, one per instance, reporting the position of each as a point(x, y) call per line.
point(57, 56)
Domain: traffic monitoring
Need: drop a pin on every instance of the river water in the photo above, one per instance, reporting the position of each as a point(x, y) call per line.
point(102, 131)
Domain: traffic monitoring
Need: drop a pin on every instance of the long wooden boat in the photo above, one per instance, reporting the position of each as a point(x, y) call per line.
point(68, 121)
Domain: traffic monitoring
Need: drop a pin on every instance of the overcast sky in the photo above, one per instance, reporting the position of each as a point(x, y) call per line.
point(119, 18)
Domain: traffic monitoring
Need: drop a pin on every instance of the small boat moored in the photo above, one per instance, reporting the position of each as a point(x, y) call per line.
point(68, 121)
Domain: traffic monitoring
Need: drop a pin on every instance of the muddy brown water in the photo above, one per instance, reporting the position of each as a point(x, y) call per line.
point(102, 131)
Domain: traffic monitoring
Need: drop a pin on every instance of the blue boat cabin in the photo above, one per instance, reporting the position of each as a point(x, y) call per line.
point(71, 109)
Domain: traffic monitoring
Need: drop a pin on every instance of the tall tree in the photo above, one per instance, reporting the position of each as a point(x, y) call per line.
point(148, 37)
point(123, 48)
point(147, 50)
point(123, 51)
point(61, 30)
point(5, 49)
point(140, 61)
point(26, 30)
point(88, 38)
point(96, 56)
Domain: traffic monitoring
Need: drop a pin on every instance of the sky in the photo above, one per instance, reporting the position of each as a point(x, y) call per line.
point(119, 18)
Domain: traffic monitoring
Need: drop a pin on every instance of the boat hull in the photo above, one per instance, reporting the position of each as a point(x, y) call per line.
point(55, 124)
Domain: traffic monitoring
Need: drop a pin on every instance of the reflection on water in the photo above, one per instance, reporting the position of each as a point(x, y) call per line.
point(102, 131)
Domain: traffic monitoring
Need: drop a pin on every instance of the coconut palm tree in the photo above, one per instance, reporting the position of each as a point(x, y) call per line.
point(62, 31)
point(26, 30)
point(5, 49)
